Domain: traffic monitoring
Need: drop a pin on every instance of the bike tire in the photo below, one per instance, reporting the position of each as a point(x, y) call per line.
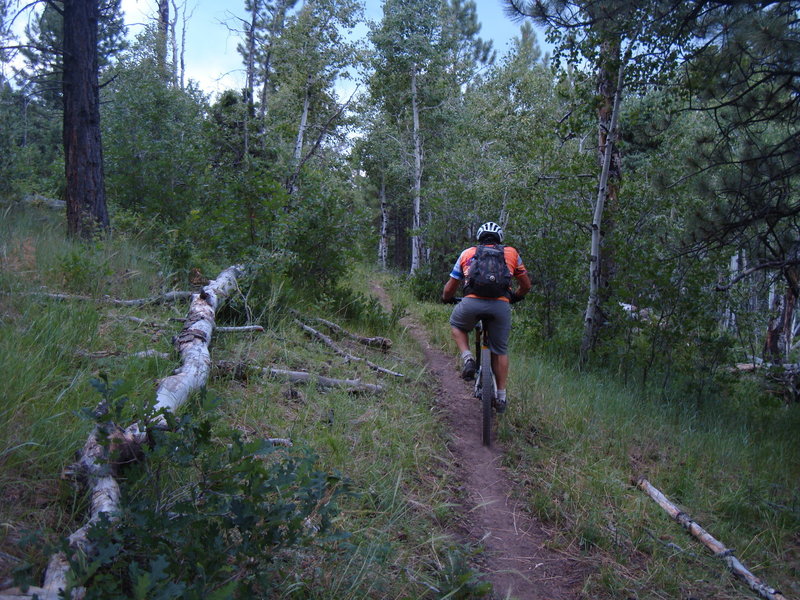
point(487, 391)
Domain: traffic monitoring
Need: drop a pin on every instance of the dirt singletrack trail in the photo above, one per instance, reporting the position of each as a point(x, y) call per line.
point(515, 559)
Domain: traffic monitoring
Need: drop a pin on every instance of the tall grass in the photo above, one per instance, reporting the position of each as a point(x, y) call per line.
point(388, 446)
point(575, 442)
point(578, 441)
point(46, 381)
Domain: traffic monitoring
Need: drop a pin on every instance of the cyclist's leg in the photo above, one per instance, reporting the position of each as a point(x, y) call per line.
point(499, 328)
point(500, 368)
point(461, 339)
point(462, 321)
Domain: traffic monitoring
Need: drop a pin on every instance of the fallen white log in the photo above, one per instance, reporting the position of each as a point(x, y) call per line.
point(192, 343)
point(109, 353)
point(347, 356)
point(719, 549)
point(162, 299)
point(241, 329)
point(351, 385)
point(373, 342)
point(93, 464)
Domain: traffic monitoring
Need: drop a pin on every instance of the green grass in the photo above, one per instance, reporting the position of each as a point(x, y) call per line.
point(575, 442)
point(389, 446)
point(578, 441)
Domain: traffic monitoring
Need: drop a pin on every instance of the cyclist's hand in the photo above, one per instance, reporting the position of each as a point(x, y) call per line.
point(452, 300)
point(513, 297)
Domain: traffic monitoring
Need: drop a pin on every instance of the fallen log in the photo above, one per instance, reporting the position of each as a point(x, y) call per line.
point(176, 296)
point(37, 200)
point(241, 329)
point(346, 355)
point(354, 386)
point(94, 462)
point(109, 353)
point(373, 342)
point(719, 549)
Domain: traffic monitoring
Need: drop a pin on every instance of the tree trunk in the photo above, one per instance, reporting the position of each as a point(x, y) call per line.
point(778, 340)
point(598, 280)
point(275, 29)
point(163, 36)
point(173, 42)
point(83, 151)
point(250, 67)
point(182, 72)
point(383, 242)
point(301, 132)
point(609, 82)
point(416, 241)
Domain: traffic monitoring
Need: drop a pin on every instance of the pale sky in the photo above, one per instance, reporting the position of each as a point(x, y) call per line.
point(211, 57)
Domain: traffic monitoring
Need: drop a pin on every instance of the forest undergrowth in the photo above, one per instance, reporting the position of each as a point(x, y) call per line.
point(376, 463)
point(575, 443)
point(366, 496)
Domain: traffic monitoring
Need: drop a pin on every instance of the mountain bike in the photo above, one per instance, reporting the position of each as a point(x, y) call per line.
point(485, 384)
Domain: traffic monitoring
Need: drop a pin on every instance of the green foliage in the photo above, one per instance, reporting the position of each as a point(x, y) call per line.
point(80, 271)
point(360, 307)
point(456, 579)
point(209, 515)
point(426, 284)
point(159, 166)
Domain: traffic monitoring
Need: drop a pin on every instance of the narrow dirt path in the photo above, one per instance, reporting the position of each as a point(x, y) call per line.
point(516, 558)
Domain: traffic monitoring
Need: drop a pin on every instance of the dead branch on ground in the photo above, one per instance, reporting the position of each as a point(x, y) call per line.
point(162, 299)
point(354, 386)
point(373, 342)
point(346, 355)
point(719, 549)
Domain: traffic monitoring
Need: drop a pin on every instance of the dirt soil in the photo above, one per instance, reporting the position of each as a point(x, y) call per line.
point(516, 558)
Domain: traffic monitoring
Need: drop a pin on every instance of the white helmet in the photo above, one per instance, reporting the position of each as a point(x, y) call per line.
point(490, 228)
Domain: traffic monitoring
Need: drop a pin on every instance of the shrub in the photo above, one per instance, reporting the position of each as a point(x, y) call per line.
point(208, 514)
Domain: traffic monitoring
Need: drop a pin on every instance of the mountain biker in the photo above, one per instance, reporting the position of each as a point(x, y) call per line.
point(467, 313)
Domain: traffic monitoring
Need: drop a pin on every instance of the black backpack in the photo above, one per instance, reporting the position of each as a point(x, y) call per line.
point(488, 275)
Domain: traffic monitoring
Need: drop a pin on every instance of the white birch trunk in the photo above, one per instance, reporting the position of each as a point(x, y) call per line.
point(301, 131)
point(173, 42)
point(193, 342)
point(591, 315)
point(416, 241)
point(729, 317)
point(383, 241)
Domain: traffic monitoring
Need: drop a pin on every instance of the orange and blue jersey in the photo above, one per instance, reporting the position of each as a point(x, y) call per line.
point(513, 261)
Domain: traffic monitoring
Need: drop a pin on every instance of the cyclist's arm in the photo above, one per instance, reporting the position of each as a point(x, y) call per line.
point(450, 289)
point(523, 284)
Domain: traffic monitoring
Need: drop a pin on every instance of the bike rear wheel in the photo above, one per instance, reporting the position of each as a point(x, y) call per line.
point(487, 391)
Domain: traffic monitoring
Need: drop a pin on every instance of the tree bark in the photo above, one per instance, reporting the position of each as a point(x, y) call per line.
point(83, 151)
point(597, 280)
point(383, 241)
point(416, 241)
point(163, 36)
point(301, 133)
point(192, 344)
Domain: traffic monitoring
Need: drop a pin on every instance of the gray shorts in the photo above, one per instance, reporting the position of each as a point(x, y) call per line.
point(469, 310)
